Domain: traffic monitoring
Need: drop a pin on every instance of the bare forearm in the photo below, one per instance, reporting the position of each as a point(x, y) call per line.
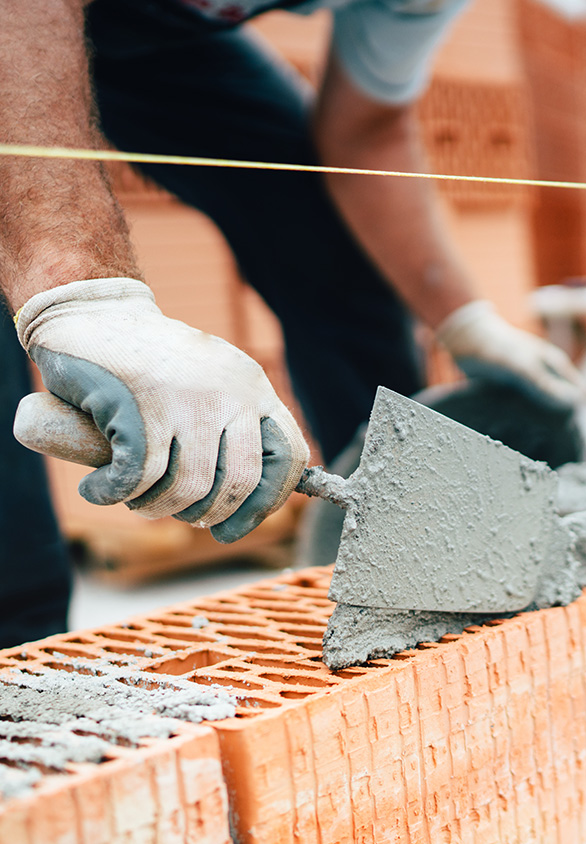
point(395, 219)
point(58, 219)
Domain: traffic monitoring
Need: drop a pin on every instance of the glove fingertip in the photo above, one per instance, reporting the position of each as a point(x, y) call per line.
point(234, 529)
point(98, 488)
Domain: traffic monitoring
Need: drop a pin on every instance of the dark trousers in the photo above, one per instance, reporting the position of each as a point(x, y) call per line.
point(170, 84)
point(34, 568)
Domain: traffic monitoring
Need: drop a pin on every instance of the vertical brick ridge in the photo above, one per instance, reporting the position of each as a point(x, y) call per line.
point(361, 765)
point(580, 722)
point(544, 746)
point(419, 742)
point(501, 733)
point(346, 755)
point(319, 838)
point(550, 733)
point(557, 642)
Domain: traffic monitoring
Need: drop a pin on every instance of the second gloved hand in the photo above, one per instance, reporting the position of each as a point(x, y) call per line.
point(196, 429)
point(485, 345)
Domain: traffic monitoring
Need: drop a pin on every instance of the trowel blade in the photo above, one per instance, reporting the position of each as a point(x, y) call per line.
point(444, 519)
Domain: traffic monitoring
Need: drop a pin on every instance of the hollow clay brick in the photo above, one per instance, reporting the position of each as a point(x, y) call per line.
point(167, 793)
point(480, 738)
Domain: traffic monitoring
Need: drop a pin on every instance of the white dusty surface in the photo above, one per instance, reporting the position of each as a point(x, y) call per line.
point(57, 718)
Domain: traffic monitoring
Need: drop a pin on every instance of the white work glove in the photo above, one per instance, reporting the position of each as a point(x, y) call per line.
point(484, 345)
point(188, 416)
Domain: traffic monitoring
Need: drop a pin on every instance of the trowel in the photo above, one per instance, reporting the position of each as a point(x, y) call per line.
point(438, 517)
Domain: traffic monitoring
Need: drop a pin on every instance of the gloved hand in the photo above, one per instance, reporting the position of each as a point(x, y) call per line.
point(196, 429)
point(484, 345)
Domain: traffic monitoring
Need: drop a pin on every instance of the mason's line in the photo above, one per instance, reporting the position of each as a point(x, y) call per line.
point(27, 151)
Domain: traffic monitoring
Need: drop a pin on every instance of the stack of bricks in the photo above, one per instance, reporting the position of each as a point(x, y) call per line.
point(554, 54)
point(479, 738)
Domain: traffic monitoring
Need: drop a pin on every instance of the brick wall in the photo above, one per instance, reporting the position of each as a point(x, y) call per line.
point(479, 738)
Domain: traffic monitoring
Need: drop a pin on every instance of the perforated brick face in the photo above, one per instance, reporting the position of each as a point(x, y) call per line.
point(478, 738)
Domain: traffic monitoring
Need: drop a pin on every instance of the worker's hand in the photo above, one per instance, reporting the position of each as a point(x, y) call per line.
point(195, 427)
point(484, 345)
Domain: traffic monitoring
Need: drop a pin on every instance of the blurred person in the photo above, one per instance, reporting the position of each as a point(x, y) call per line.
point(196, 430)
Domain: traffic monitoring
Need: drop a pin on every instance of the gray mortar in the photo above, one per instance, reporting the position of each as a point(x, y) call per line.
point(441, 518)
point(42, 715)
point(357, 634)
point(547, 568)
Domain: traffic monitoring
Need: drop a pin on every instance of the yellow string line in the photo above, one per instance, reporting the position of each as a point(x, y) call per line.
point(27, 151)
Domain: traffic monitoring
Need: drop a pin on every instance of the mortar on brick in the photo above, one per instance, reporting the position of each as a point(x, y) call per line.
point(57, 718)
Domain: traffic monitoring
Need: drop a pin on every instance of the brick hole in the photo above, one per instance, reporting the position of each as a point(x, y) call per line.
point(285, 618)
point(22, 656)
point(426, 646)
point(501, 138)
point(119, 663)
point(450, 637)
point(183, 665)
point(258, 647)
point(349, 674)
point(66, 666)
point(225, 602)
point(35, 742)
point(404, 655)
point(322, 603)
point(306, 633)
point(124, 650)
point(446, 136)
point(42, 769)
point(311, 645)
point(241, 621)
point(258, 703)
point(226, 681)
point(75, 652)
point(207, 608)
point(306, 582)
point(138, 682)
point(267, 600)
point(282, 663)
point(248, 634)
point(121, 742)
point(296, 680)
point(180, 613)
point(186, 637)
point(80, 641)
point(312, 594)
point(294, 695)
point(237, 668)
point(171, 621)
point(119, 636)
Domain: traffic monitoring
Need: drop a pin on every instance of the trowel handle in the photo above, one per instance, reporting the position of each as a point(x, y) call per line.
point(46, 424)
point(51, 426)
